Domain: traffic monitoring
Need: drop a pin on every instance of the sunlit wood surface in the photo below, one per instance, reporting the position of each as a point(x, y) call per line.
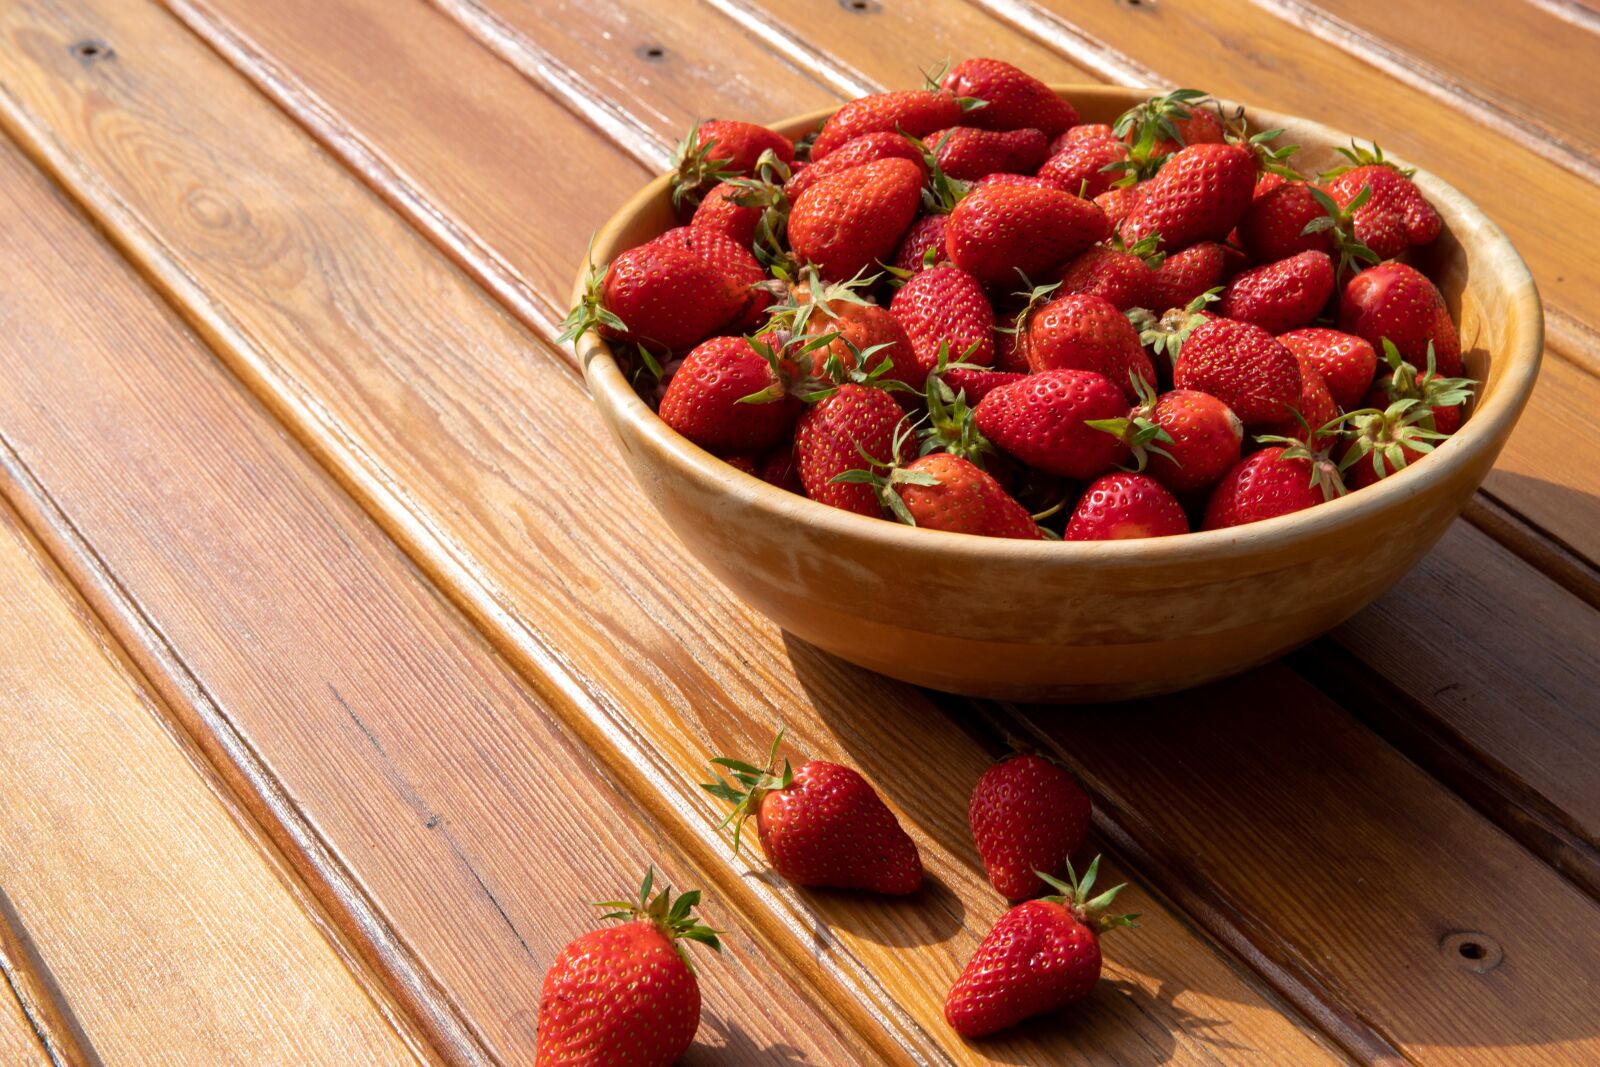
point(342, 665)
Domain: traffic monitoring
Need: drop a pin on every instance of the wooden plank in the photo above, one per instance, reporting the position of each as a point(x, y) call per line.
point(156, 913)
point(1525, 67)
point(480, 454)
point(1342, 863)
point(429, 797)
point(24, 1039)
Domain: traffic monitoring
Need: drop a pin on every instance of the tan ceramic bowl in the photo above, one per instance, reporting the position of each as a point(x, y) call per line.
point(1036, 620)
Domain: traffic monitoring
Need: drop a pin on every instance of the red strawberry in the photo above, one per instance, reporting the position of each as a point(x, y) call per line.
point(1395, 215)
point(1442, 396)
point(820, 825)
point(1399, 302)
point(663, 297)
point(1183, 276)
point(1000, 233)
point(967, 154)
point(779, 470)
point(979, 383)
point(1280, 296)
point(721, 210)
point(1274, 481)
point(1171, 122)
point(709, 397)
point(1011, 346)
point(1013, 99)
point(1119, 202)
point(728, 256)
point(942, 491)
point(1086, 131)
point(1347, 363)
point(817, 309)
point(1039, 957)
point(836, 434)
point(1081, 331)
point(944, 306)
point(1242, 365)
point(868, 148)
point(1027, 814)
point(625, 996)
point(1199, 195)
point(926, 235)
point(912, 111)
point(1273, 226)
point(847, 222)
point(721, 149)
point(1079, 167)
point(1120, 274)
point(1316, 408)
point(1123, 506)
point(1042, 421)
point(741, 461)
point(1383, 442)
point(1205, 437)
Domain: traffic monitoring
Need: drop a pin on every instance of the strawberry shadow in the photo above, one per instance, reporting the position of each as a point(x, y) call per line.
point(723, 1041)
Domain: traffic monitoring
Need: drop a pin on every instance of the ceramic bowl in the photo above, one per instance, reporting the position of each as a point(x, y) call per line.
point(1070, 621)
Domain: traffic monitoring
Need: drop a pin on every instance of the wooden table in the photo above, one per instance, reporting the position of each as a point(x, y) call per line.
point(341, 665)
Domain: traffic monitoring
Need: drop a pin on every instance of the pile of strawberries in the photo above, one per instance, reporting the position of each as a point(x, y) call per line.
point(959, 308)
point(625, 996)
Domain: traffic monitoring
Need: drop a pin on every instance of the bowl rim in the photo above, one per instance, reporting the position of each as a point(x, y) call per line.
point(1485, 431)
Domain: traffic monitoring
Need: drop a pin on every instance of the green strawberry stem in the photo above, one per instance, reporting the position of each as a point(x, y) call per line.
point(748, 785)
point(674, 918)
point(588, 313)
point(1073, 894)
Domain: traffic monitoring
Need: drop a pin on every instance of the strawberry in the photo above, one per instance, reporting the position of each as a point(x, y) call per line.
point(1124, 505)
point(816, 310)
point(1277, 480)
point(979, 382)
point(1242, 365)
point(846, 222)
point(925, 236)
point(868, 148)
point(942, 491)
point(852, 422)
point(1274, 225)
point(742, 462)
point(1038, 957)
point(1084, 131)
point(1183, 276)
point(1011, 345)
point(1280, 296)
point(1442, 396)
point(944, 306)
point(1122, 275)
point(820, 825)
point(1000, 231)
point(659, 297)
point(731, 258)
point(1027, 814)
point(1383, 442)
point(1121, 201)
point(1315, 410)
point(1013, 99)
point(1184, 439)
point(1081, 331)
point(1199, 195)
point(721, 210)
point(1079, 167)
point(966, 153)
point(912, 111)
point(779, 470)
point(1395, 215)
point(625, 996)
point(1347, 363)
point(720, 149)
point(1396, 301)
point(1170, 123)
point(729, 395)
point(1042, 421)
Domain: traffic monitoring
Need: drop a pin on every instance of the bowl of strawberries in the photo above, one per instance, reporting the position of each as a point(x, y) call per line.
point(1069, 393)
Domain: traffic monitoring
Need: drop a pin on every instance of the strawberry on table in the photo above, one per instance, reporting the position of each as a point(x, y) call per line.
point(625, 996)
point(1125, 505)
point(1012, 98)
point(1280, 296)
point(1043, 420)
point(847, 222)
point(1038, 957)
point(1027, 814)
point(731, 396)
point(966, 153)
point(1003, 233)
point(820, 825)
point(1346, 362)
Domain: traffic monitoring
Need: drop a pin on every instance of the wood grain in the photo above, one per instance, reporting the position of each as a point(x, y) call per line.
point(424, 791)
point(484, 459)
point(157, 917)
point(19, 1044)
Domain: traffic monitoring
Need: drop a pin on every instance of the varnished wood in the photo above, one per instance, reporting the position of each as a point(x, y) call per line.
point(153, 914)
point(445, 819)
point(488, 439)
point(1101, 621)
point(20, 1043)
